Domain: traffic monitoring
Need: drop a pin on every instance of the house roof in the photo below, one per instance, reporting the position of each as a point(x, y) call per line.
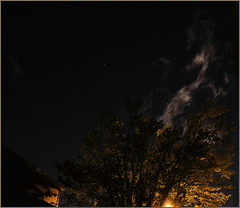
point(7, 152)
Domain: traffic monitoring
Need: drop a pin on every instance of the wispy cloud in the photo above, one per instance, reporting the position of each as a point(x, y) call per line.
point(200, 42)
point(201, 30)
point(162, 60)
point(183, 97)
point(226, 78)
point(147, 104)
point(162, 64)
point(200, 35)
point(217, 91)
point(14, 69)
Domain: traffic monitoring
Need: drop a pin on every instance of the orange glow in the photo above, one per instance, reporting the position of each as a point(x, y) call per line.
point(168, 203)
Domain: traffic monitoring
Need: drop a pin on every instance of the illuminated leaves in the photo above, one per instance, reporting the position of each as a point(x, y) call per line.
point(137, 161)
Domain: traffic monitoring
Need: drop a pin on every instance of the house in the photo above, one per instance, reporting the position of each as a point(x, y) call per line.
point(23, 185)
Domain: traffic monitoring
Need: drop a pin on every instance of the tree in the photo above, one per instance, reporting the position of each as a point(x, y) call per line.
point(138, 161)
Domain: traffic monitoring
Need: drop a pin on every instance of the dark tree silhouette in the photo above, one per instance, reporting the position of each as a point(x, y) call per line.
point(138, 161)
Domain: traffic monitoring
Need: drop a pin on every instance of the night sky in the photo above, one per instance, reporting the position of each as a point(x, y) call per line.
point(64, 62)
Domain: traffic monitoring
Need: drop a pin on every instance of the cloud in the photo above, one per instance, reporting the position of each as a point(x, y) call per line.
point(147, 104)
point(201, 30)
point(200, 58)
point(226, 78)
point(183, 97)
point(14, 69)
point(163, 64)
point(216, 91)
point(201, 43)
point(200, 36)
point(164, 60)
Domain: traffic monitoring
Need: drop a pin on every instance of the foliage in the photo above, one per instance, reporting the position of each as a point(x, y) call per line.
point(138, 161)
